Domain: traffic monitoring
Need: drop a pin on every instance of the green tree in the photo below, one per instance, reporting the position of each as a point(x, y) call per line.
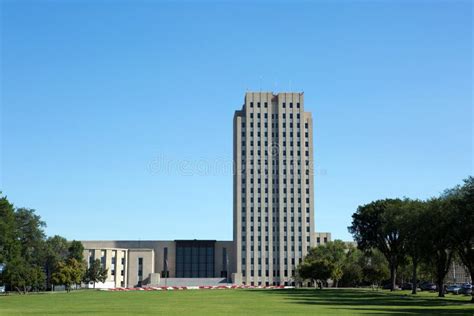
point(30, 234)
point(56, 250)
point(378, 225)
point(336, 256)
point(24, 277)
point(439, 251)
point(375, 267)
point(68, 273)
point(316, 270)
point(96, 273)
point(414, 229)
point(25, 253)
point(9, 244)
point(460, 200)
point(76, 250)
point(324, 262)
point(21, 238)
point(353, 268)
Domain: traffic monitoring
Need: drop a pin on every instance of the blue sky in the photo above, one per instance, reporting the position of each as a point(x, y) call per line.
point(94, 94)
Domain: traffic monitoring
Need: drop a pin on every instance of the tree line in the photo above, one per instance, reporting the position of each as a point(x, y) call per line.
point(395, 234)
point(31, 261)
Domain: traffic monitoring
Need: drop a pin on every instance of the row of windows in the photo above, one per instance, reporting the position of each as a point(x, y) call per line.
point(292, 190)
point(275, 261)
point(276, 254)
point(259, 219)
point(275, 219)
point(285, 200)
point(265, 105)
point(275, 248)
point(285, 229)
point(259, 153)
point(275, 127)
point(276, 258)
point(285, 210)
point(113, 258)
point(275, 180)
point(276, 162)
point(112, 272)
point(283, 171)
point(276, 273)
point(275, 190)
point(275, 131)
point(259, 143)
point(318, 240)
point(275, 136)
point(259, 238)
point(274, 116)
point(259, 195)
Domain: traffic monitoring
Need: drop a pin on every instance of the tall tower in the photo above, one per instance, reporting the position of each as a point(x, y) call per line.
point(273, 187)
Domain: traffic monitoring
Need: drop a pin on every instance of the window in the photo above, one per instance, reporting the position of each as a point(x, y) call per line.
point(140, 269)
point(165, 272)
point(102, 259)
point(195, 258)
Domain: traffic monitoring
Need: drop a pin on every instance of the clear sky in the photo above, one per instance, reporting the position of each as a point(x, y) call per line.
point(97, 96)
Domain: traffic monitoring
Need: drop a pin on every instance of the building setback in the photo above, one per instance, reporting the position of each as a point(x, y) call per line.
point(273, 187)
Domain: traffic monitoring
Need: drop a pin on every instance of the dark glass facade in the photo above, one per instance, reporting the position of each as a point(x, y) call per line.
point(195, 258)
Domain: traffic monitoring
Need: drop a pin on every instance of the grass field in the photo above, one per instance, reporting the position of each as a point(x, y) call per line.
point(236, 302)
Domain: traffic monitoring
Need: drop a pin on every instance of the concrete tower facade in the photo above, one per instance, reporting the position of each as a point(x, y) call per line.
point(273, 187)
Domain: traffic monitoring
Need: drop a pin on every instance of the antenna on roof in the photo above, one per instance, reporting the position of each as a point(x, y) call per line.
point(261, 77)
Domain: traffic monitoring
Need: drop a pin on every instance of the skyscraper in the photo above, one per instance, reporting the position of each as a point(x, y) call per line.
point(273, 187)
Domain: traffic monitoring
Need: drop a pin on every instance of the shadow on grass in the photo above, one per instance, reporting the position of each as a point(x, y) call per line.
point(375, 302)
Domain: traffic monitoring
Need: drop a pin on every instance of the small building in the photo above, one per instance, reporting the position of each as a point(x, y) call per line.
point(152, 262)
point(322, 238)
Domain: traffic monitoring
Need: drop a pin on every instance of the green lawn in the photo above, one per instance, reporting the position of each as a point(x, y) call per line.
point(236, 302)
